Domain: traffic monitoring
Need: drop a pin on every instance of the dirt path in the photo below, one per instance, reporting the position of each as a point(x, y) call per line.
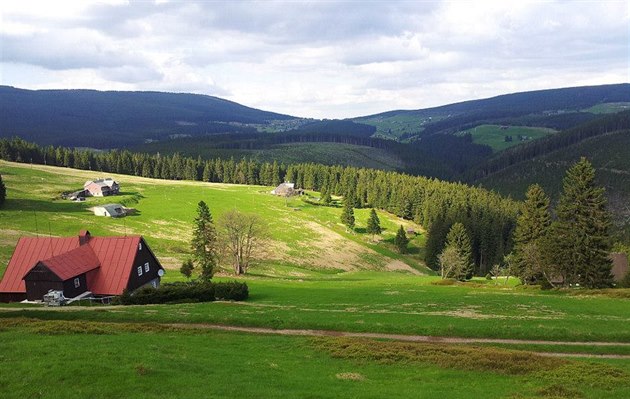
point(417, 338)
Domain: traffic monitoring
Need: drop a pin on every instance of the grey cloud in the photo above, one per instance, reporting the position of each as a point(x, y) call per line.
point(67, 50)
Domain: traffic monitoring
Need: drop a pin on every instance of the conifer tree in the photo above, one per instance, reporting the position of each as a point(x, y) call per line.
point(347, 215)
point(3, 191)
point(458, 240)
point(531, 227)
point(204, 242)
point(187, 268)
point(401, 240)
point(326, 198)
point(579, 240)
point(373, 224)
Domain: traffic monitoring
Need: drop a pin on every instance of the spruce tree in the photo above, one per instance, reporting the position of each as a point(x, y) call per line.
point(3, 191)
point(327, 199)
point(204, 242)
point(579, 241)
point(401, 240)
point(347, 215)
point(458, 239)
point(531, 227)
point(373, 224)
point(187, 268)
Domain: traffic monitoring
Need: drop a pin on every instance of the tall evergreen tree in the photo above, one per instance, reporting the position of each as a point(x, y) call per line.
point(373, 224)
point(531, 227)
point(204, 242)
point(347, 215)
point(459, 240)
point(3, 191)
point(401, 240)
point(579, 241)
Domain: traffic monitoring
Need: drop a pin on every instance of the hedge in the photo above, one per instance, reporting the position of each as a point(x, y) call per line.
point(185, 292)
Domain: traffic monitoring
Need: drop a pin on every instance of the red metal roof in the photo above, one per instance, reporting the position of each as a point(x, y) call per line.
point(65, 256)
point(73, 263)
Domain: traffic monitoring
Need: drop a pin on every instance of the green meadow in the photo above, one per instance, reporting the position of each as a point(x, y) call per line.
point(494, 136)
point(313, 275)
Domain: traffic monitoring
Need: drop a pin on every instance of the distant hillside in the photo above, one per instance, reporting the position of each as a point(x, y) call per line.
point(555, 108)
point(606, 143)
point(115, 119)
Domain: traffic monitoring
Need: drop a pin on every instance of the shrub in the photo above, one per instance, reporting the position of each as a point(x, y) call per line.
point(169, 293)
point(625, 281)
point(231, 291)
point(185, 292)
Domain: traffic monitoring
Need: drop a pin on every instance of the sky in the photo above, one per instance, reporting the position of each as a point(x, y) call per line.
point(319, 59)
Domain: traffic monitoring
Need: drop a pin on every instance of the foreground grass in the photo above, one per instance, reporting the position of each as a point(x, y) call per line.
point(100, 360)
point(388, 303)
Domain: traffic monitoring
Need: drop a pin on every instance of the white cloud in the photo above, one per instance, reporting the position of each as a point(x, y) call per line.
point(320, 59)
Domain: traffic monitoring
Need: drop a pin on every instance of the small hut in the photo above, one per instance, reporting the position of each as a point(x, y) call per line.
point(110, 210)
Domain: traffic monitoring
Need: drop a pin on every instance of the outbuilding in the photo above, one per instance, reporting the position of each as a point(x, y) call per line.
point(110, 210)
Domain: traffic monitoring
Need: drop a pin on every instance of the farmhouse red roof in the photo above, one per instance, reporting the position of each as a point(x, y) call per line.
point(73, 263)
point(115, 255)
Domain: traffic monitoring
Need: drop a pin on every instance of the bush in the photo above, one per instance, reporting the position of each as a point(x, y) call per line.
point(170, 293)
point(185, 292)
point(231, 291)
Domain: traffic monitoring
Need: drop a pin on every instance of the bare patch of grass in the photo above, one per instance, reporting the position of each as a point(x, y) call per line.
point(350, 376)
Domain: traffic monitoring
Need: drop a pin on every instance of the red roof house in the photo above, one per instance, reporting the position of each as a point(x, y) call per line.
point(103, 265)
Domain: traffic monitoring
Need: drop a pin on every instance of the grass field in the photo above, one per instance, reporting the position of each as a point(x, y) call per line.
point(304, 238)
point(315, 275)
point(608, 108)
point(395, 126)
point(145, 361)
point(494, 136)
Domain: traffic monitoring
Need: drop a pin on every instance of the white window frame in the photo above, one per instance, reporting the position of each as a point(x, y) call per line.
point(140, 246)
point(139, 270)
point(146, 267)
point(77, 282)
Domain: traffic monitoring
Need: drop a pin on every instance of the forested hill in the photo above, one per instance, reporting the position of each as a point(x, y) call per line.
point(554, 108)
point(115, 119)
point(605, 143)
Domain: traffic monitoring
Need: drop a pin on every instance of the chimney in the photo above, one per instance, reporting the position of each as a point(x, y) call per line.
point(84, 237)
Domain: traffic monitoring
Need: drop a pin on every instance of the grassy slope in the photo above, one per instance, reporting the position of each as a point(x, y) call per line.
point(300, 232)
point(494, 136)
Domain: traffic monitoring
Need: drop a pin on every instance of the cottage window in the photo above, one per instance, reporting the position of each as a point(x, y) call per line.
point(77, 282)
point(139, 246)
point(146, 267)
point(139, 270)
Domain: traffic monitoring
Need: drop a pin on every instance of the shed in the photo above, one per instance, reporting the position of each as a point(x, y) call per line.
point(110, 210)
point(103, 265)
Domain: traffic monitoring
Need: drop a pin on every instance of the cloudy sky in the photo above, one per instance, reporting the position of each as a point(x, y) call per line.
point(320, 58)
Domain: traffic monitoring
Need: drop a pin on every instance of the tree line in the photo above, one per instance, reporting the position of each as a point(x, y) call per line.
point(434, 204)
